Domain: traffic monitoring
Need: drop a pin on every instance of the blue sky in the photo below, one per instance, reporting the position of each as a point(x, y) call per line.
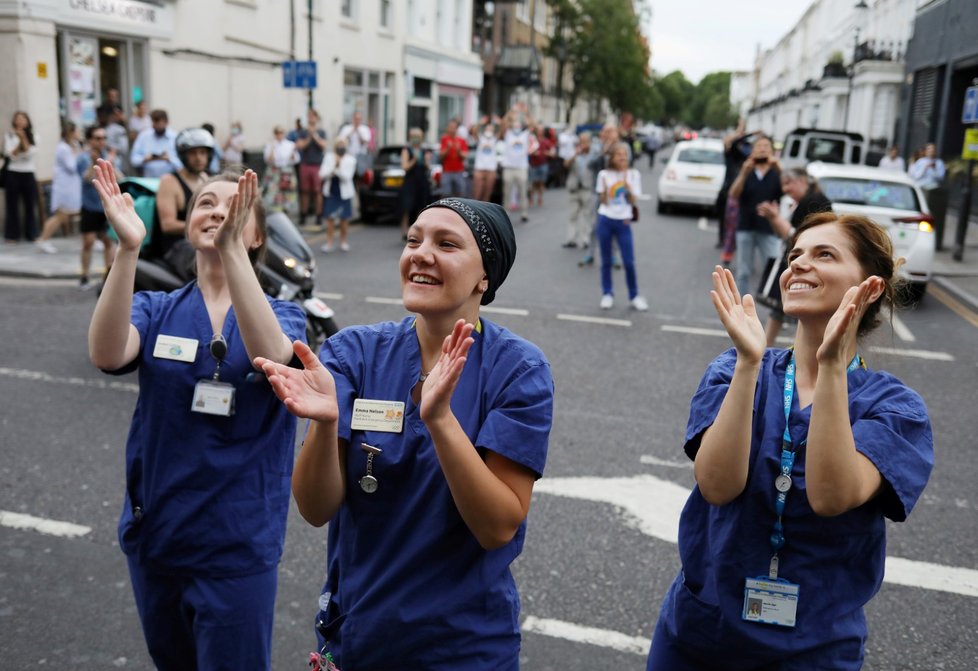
point(702, 36)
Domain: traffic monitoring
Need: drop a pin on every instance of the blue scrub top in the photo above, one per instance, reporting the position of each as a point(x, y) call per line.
point(837, 561)
point(212, 491)
point(414, 586)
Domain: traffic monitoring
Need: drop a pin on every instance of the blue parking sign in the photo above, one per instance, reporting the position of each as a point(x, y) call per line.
point(970, 113)
point(299, 74)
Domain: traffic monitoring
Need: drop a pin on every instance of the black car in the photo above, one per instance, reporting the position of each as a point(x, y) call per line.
point(380, 185)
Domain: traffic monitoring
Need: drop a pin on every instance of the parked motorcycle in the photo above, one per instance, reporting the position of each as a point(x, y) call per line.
point(287, 272)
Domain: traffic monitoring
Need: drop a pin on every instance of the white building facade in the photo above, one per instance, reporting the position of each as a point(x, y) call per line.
point(399, 63)
point(840, 67)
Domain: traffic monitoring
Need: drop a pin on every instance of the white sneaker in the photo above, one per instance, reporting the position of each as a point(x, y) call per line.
point(640, 304)
point(326, 249)
point(607, 302)
point(344, 247)
point(46, 247)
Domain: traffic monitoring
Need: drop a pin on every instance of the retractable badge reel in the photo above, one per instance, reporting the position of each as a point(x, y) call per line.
point(213, 397)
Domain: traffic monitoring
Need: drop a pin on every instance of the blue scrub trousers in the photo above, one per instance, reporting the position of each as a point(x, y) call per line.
point(609, 228)
point(195, 622)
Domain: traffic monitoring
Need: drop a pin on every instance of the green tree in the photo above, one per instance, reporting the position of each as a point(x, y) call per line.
point(677, 93)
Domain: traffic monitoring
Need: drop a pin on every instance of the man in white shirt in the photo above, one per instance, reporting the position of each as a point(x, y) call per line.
point(928, 170)
point(154, 151)
point(357, 136)
point(893, 161)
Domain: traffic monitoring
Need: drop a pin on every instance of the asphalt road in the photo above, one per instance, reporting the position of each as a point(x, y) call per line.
point(597, 558)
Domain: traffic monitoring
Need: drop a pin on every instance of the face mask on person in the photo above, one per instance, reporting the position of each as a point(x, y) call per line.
point(236, 130)
point(415, 142)
point(340, 151)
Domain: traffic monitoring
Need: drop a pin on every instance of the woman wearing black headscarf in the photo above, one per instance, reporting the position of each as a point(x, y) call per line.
point(425, 440)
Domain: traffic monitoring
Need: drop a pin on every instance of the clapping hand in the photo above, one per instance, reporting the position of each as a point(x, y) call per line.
point(229, 233)
point(309, 393)
point(738, 316)
point(839, 341)
point(119, 210)
point(439, 385)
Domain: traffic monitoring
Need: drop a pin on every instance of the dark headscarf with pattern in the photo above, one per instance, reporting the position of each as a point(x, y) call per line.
point(493, 233)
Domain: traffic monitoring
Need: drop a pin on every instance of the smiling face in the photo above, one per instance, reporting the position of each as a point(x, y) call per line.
point(822, 267)
point(209, 208)
point(441, 266)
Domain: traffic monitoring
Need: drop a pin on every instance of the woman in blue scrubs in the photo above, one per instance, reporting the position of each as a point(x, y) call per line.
point(799, 455)
point(425, 439)
point(210, 449)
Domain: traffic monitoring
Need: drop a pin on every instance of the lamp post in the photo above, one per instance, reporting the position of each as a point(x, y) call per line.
point(852, 68)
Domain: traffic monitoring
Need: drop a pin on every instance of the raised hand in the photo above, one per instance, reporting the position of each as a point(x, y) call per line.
point(738, 316)
point(438, 387)
point(119, 210)
point(839, 341)
point(229, 233)
point(309, 393)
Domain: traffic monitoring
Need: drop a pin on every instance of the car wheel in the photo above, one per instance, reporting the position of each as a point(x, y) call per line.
point(661, 208)
point(368, 217)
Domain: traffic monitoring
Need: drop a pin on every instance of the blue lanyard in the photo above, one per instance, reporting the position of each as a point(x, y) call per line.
point(782, 483)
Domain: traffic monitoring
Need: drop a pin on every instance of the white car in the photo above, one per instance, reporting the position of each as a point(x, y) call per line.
point(693, 175)
point(893, 201)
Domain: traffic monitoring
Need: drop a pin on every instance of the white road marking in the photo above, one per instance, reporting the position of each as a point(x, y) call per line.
point(327, 296)
point(384, 301)
point(901, 330)
point(655, 461)
point(911, 353)
point(520, 312)
point(589, 635)
point(41, 525)
point(37, 282)
point(652, 506)
point(78, 381)
point(595, 320)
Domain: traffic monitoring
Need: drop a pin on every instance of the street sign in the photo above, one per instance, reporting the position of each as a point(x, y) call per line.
point(299, 74)
point(970, 113)
point(970, 149)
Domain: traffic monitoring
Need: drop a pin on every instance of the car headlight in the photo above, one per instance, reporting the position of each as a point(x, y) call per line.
point(289, 262)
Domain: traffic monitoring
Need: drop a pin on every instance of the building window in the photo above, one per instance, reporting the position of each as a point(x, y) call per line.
point(385, 13)
point(348, 9)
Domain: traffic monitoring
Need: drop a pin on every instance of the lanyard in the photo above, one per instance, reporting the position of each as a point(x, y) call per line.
point(782, 483)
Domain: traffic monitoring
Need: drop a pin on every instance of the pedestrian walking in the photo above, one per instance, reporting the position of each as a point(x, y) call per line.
point(518, 144)
point(580, 186)
point(94, 226)
point(278, 184)
point(799, 455)
point(758, 181)
point(487, 152)
point(19, 150)
point(66, 187)
point(618, 188)
point(425, 439)
point(210, 450)
point(154, 152)
point(311, 145)
point(893, 160)
point(452, 152)
point(336, 173)
point(415, 192)
point(808, 199)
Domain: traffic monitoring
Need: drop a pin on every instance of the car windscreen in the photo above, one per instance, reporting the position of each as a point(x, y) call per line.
point(826, 150)
point(387, 157)
point(709, 156)
point(871, 192)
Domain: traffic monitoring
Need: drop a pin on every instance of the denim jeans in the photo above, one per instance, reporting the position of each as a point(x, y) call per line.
point(609, 228)
point(766, 244)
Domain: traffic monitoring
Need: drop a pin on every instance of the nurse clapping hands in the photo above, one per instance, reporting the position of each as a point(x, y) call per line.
point(210, 449)
point(799, 456)
point(425, 440)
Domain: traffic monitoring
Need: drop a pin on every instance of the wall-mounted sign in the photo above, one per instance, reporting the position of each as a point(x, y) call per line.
point(122, 16)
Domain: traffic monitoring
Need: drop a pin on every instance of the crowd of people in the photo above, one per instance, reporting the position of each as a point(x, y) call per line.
point(424, 437)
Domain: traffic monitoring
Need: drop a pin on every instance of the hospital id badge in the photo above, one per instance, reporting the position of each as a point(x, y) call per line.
point(770, 601)
point(384, 416)
point(174, 348)
point(213, 398)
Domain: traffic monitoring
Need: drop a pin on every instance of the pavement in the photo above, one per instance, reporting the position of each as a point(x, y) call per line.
point(24, 260)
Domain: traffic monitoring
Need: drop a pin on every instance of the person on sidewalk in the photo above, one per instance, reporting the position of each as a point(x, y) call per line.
point(278, 183)
point(618, 189)
point(154, 152)
point(94, 225)
point(311, 144)
point(19, 149)
point(893, 160)
point(336, 173)
point(759, 181)
point(453, 151)
point(66, 187)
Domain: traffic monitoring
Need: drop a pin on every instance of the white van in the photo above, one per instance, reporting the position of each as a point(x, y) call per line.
point(805, 145)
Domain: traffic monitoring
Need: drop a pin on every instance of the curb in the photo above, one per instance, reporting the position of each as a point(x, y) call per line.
point(39, 274)
point(962, 296)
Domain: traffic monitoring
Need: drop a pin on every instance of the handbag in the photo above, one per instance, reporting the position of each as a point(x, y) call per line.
point(769, 292)
point(3, 171)
point(634, 213)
